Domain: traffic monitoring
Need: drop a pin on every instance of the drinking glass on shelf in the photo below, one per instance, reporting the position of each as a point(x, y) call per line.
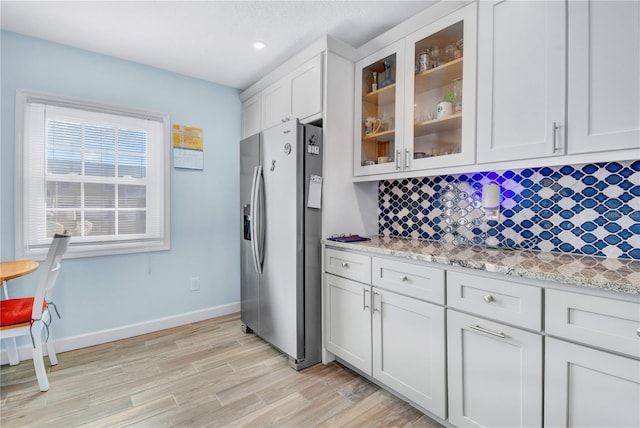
point(449, 52)
point(458, 52)
point(457, 95)
point(435, 59)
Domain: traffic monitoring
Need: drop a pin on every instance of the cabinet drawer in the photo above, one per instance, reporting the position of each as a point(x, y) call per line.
point(348, 265)
point(506, 301)
point(597, 321)
point(413, 280)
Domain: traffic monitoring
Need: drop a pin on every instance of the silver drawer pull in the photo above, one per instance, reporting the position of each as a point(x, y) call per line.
point(488, 298)
point(484, 330)
point(638, 332)
point(404, 278)
point(345, 265)
point(364, 299)
point(374, 303)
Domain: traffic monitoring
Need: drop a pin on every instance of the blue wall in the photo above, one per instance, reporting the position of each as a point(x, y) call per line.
point(100, 293)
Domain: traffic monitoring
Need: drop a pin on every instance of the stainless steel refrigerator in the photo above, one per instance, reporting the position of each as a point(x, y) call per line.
point(280, 179)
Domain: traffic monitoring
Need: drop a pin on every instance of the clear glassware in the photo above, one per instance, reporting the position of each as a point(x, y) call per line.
point(449, 51)
point(435, 57)
point(457, 94)
point(457, 53)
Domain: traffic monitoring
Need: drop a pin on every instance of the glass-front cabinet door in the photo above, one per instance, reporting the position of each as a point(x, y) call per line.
point(379, 104)
point(440, 92)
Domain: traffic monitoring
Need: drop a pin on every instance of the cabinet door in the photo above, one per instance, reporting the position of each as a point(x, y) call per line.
point(409, 348)
point(347, 321)
point(521, 79)
point(495, 373)
point(589, 388)
point(306, 89)
point(440, 99)
point(379, 107)
point(251, 116)
point(276, 103)
point(604, 65)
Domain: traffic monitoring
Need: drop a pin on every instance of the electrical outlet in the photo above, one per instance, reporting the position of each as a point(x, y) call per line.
point(195, 283)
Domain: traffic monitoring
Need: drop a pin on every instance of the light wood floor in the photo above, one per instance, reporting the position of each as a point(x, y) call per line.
point(203, 374)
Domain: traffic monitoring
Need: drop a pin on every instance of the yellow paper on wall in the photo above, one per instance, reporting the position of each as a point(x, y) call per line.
point(186, 137)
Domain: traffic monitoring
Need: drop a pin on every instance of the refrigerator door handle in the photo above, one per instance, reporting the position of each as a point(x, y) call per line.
point(254, 219)
point(260, 219)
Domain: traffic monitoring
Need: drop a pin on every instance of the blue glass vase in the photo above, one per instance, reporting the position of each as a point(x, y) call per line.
point(387, 74)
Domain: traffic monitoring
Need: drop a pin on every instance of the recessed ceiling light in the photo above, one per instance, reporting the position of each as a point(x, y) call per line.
point(259, 45)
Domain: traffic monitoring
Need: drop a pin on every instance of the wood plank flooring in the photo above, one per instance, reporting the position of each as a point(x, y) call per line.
point(206, 374)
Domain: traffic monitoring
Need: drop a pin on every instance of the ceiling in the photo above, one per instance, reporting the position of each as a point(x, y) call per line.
point(209, 40)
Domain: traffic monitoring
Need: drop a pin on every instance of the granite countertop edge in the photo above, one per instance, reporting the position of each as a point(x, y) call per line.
point(595, 275)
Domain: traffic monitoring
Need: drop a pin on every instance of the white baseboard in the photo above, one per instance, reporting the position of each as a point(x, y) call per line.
point(110, 335)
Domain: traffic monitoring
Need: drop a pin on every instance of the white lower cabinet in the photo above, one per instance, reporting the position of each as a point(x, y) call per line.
point(347, 321)
point(586, 387)
point(495, 373)
point(486, 366)
point(409, 348)
point(397, 339)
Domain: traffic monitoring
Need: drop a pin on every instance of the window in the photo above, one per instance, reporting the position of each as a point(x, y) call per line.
point(99, 171)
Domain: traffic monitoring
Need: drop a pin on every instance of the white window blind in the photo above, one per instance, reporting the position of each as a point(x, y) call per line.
point(100, 172)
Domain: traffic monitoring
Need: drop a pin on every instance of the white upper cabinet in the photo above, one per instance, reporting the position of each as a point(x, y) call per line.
point(604, 92)
point(440, 100)
point(276, 103)
point(306, 89)
point(251, 116)
point(378, 109)
point(415, 99)
point(521, 79)
point(296, 95)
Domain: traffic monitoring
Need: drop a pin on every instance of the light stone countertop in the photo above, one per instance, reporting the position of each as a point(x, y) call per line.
point(618, 275)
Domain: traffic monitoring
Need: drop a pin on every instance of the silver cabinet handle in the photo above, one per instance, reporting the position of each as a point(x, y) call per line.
point(555, 128)
point(406, 158)
point(345, 265)
point(488, 298)
point(374, 302)
point(398, 156)
point(404, 278)
point(638, 332)
point(364, 299)
point(484, 330)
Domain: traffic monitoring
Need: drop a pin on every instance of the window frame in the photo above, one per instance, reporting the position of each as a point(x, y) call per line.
point(160, 184)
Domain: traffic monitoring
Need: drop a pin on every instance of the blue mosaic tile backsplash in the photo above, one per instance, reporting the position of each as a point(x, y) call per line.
point(589, 209)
